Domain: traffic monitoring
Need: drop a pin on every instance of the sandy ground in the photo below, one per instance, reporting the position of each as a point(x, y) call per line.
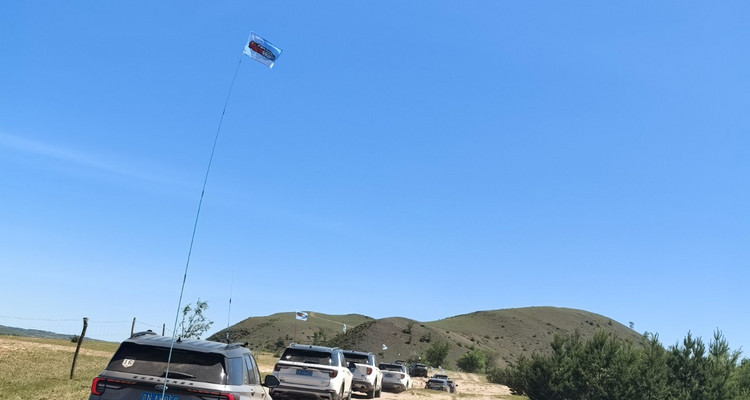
point(469, 386)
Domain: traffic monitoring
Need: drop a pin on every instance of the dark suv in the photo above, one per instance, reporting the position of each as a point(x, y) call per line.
point(197, 370)
point(418, 369)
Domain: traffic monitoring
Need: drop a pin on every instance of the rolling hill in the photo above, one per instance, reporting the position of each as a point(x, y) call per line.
point(506, 333)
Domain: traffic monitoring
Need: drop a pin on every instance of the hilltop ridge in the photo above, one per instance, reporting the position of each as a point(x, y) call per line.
point(507, 333)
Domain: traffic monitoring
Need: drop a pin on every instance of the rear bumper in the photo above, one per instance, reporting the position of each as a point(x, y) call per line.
point(287, 392)
point(361, 385)
point(394, 386)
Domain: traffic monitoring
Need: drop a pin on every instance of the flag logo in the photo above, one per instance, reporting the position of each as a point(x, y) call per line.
point(301, 315)
point(261, 50)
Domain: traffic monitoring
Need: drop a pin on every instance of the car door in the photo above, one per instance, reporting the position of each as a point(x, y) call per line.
point(257, 391)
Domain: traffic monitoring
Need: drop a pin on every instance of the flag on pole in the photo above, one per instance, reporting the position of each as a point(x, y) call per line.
point(261, 50)
point(344, 328)
point(301, 315)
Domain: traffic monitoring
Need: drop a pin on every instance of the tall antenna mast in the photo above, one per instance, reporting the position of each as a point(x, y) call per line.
point(229, 310)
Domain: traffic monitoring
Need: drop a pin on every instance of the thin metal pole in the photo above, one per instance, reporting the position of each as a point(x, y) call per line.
point(195, 226)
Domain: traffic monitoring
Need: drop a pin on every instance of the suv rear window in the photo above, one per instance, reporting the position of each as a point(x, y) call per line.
point(357, 358)
point(391, 367)
point(152, 360)
point(307, 356)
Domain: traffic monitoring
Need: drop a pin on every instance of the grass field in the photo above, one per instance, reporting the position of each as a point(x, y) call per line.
point(40, 368)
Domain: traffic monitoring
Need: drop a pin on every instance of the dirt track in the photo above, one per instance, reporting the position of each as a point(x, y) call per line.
point(469, 385)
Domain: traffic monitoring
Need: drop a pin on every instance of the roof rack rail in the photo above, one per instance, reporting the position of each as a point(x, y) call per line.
point(143, 333)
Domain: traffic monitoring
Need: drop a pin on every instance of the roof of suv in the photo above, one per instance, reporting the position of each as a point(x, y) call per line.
point(207, 346)
point(312, 347)
point(361, 353)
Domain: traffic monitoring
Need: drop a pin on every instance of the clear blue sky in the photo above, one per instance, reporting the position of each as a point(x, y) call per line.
point(417, 159)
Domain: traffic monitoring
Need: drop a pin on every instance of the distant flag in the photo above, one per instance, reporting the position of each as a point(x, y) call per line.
point(301, 315)
point(385, 347)
point(261, 50)
point(344, 328)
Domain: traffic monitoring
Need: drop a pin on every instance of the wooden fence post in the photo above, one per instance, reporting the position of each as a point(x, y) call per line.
point(78, 347)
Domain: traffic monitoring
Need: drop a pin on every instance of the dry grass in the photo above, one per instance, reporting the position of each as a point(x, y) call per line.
point(40, 368)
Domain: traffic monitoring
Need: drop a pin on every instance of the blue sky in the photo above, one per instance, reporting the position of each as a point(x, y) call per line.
point(416, 159)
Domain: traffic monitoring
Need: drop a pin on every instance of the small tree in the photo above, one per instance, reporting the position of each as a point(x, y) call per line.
point(437, 353)
point(471, 361)
point(194, 323)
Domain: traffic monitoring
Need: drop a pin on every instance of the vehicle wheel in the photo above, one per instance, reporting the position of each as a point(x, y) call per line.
point(377, 392)
point(371, 393)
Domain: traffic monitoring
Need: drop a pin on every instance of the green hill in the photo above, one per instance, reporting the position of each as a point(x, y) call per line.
point(506, 333)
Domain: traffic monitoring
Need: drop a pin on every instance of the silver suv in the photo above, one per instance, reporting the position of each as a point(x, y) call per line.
point(313, 372)
point(198, 370)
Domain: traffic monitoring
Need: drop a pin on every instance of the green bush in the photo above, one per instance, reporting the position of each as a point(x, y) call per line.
point(471, 361)
point(606, 367)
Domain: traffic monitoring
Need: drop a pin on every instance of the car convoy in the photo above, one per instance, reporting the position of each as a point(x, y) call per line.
point(151, 367)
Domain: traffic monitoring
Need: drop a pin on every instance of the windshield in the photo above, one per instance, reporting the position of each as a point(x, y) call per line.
point(152, 360)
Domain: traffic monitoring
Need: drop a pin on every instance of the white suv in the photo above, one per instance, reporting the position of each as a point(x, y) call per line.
point(312, 371)
point(367, 377)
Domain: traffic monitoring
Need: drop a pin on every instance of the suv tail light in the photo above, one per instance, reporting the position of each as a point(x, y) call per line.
point(369, 370)
point(229, 396)
point(403, 376)
point(333, 373)
point(97, 386)
point(277, 367)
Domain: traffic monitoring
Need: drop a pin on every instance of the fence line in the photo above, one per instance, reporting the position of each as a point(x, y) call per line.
point(111, 331)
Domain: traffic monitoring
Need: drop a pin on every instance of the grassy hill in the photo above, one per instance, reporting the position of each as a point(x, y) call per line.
point(276, 331)
point(11, 331)
point(507, 333)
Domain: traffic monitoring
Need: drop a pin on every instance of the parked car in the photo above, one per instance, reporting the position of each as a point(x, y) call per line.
point(451, 384)
point(437, 384)
point(367, 377)
point(309, 371)
point(395, 377)
point(197, 369)
point(418, 369)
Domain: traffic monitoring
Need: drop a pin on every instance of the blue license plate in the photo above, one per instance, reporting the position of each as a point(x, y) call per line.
point(157, 396)
point(305, 372)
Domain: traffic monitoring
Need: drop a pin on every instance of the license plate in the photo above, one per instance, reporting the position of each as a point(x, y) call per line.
point(389, 375)
point(157, 396)
point(305, 372)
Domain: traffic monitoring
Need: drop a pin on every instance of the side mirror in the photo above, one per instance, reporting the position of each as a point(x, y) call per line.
point(271, 381)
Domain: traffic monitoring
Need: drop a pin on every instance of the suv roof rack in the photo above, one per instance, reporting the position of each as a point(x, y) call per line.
point(143, 333)
point(236, 345)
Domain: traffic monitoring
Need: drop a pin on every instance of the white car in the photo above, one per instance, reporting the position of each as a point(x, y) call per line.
point(395, 377)
point(316, 372)
point(367, 377)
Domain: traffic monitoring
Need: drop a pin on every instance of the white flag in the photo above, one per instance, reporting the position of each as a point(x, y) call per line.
point(385, 347)
point(301, 315)
point(261, 50)
point(344, 328)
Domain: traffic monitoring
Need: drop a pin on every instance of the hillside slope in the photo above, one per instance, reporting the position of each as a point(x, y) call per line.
point(506, 333)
